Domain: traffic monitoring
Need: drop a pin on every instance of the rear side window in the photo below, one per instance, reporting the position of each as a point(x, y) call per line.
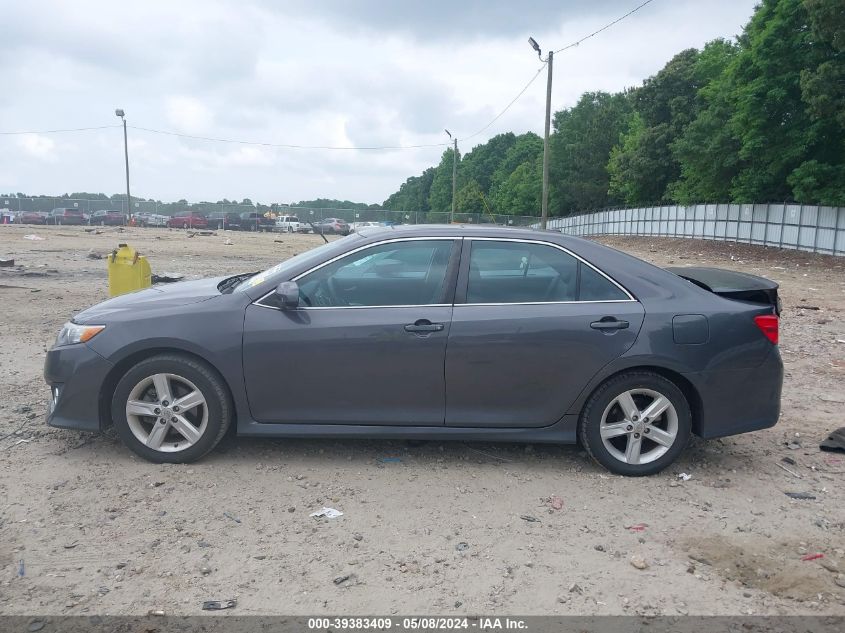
point(524, 272)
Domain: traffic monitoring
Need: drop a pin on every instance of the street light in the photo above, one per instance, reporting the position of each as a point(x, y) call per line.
point(120, 113)
point(545, 199)
point(454, 176)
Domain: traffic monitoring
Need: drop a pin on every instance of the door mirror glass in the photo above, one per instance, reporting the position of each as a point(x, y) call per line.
point(287, 293)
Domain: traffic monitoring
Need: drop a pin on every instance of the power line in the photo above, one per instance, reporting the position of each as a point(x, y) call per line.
point(76, 129)
point(282, 145)
point(604, 28)
point(568, 46)
point(508, 107)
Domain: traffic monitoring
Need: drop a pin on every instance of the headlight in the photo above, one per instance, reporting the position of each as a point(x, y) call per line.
point(72, 333)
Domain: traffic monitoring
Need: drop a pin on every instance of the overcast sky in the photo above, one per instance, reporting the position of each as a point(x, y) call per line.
point(334, 73)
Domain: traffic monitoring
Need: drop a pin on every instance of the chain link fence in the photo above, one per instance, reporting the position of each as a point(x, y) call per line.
point(388, 216)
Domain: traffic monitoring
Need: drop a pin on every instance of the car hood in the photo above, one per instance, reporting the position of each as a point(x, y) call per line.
point(163, 296)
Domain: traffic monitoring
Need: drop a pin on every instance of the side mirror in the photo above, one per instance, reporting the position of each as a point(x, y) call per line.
point(287, 293)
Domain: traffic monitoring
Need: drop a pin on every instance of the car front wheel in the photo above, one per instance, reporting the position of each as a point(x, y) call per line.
point(636, 423)
point(171, 408)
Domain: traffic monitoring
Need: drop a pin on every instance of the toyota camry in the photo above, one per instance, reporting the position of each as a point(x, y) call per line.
point(431, 332)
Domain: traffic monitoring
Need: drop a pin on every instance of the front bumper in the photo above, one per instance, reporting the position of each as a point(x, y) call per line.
point(75, 374)
point(739, 401)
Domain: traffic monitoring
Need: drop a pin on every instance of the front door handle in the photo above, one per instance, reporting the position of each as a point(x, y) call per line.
point(609, 323)
point(423, 325)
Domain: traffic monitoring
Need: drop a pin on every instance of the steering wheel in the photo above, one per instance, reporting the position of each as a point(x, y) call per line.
point(334, 296)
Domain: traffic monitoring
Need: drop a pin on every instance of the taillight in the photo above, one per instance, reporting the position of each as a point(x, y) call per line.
point(768, 324)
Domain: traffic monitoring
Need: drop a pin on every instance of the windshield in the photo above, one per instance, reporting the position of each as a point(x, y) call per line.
point(314, 255)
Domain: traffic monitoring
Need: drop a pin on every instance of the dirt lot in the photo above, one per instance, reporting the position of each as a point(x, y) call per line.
point(438, 530)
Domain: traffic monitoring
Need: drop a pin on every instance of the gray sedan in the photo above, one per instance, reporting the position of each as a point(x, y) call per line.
point(431, 332)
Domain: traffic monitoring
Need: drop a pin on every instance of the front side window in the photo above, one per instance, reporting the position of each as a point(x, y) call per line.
point(393, 274)
point(523, 272)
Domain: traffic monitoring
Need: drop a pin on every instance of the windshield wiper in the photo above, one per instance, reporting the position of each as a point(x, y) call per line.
point(230, 283)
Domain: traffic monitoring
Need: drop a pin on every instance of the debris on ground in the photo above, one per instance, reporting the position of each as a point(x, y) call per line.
point(340, 580)
point(92, 254)
point(791, 472)
point(219, 605)
point(575, 588)
point(462, 547)
point(329, 513)
point(684, 476)
point(156, 612)
point(33, 238)
point(529, 518)
point(835, 441)
point(556, 502)
point(789, 460)
point(812, 557)
point(800, 495)
point(840, 580)
point(228, 242)
point(793, 445)
point(638, 527)
point(638, 562)
point(808, 307)
point(21, 569)
point(7, 263)
point(229, 515)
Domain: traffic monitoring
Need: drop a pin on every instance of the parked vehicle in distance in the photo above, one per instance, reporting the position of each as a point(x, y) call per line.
point(255, 221)
point(31, 217)
point(287, 224)
point(188, 220)
point(484, 333)
point(355, 226)
point(107, 217)
point(331, 226)
point(151, 219)
point(65, 216)
point(224, 220)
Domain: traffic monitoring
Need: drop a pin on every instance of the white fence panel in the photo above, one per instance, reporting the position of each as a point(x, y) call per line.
point(794, 226)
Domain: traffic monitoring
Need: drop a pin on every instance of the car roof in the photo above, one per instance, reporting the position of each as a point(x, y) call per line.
point(457, 230)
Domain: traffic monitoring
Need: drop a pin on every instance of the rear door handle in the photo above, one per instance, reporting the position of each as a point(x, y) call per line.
point(424, 325)
point(609, 323)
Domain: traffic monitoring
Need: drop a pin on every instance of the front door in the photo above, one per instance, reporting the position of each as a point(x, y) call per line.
point(532, 324)
point(367, 344)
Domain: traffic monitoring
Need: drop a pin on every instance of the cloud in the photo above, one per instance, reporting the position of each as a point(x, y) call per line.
point(188, 114)
point(38, 146)
point(334, 72)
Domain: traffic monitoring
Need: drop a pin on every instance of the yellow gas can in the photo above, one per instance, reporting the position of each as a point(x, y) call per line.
point(128, 271)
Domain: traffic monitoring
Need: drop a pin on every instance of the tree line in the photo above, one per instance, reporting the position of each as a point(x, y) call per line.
point(760, 118)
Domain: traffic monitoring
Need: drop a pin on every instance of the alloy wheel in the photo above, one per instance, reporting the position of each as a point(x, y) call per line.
point(639, 426)
point(167, 412)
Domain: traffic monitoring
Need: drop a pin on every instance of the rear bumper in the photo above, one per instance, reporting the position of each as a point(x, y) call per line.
point(75, 374)
point(739, 401)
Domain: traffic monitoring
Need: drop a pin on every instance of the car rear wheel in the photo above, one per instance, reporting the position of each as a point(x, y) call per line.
point(636, 423)
point(171, 408)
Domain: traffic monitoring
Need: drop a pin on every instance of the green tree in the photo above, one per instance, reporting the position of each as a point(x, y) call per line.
point(471, 198)
point(580, 149)
point(440, 192)
point(520, 192)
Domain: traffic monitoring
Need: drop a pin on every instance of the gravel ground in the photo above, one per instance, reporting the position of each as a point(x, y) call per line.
point(440, 529)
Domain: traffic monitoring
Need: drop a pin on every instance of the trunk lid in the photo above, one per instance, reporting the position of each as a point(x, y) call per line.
point(732, 284)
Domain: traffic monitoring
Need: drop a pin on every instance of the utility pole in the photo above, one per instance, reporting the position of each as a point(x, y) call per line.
point(121, 114)
point(454, 178)
point(544, 213)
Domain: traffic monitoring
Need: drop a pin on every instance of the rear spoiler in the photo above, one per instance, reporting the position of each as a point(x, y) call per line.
point(732, 285)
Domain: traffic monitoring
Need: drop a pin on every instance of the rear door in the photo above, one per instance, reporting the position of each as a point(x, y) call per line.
point(532, 324)
point(366, 346)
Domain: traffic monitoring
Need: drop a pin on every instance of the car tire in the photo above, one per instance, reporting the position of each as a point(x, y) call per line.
point(615, 433)
point(144, 434)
